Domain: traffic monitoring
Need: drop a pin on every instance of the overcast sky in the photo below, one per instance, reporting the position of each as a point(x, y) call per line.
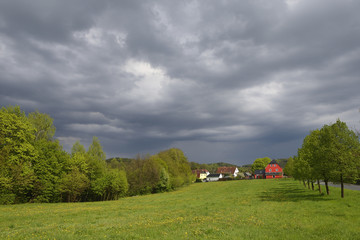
point(226, 81)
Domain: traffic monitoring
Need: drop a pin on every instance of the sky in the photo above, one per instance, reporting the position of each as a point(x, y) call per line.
point(224, 81)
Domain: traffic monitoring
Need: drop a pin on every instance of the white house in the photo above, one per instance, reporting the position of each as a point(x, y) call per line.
point(229, 171)
point(212, 177)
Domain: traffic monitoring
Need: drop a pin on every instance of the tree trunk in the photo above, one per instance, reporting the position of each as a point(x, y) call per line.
point(308, 182)
point(312, 185)
point(304, 183)
point(327, 187)
point(342, 185)
point(318, 182)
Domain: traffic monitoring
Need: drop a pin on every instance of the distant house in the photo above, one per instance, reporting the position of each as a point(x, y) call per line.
point(273, 170)
point(231, 171)
point(247, 175)
point(201, 173)
point(212, 177)
point(259, 174)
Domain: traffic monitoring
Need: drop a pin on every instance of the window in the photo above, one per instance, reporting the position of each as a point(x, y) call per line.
point(277, 170)
point(270, 170)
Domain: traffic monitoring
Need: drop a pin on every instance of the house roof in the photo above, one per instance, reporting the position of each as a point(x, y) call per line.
point(230, 170)
point(273, 162)
point(198, 171)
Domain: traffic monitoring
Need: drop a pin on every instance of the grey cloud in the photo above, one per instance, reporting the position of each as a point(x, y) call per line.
point(223, 80)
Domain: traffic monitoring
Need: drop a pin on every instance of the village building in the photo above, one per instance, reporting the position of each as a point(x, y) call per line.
point(259, 174)
point(212, 177)
point(201, 173)
point(272, 170)
point(228, 171)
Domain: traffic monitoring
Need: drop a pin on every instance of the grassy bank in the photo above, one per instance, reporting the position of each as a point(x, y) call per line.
point(257, 209)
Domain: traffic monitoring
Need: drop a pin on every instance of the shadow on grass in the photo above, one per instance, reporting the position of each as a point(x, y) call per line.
point(289, 192)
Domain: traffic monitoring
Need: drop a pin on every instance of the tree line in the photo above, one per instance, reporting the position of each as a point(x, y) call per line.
point(212, 167)
point(331, 154)
point(35, 168)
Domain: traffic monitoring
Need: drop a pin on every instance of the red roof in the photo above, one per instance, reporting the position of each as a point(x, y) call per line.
point(229, 170)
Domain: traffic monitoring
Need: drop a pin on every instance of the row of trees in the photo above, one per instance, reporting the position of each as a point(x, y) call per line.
point(329, 154)
point(35, 168)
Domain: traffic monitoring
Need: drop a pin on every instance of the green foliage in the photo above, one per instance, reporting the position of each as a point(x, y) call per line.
point(112, 185)
point(43, 124)
point(289, 167)
point(260, 163)
point(77, 148)
point(331, 154)
point(35, 168)
point(179, 167)
point(158, 173)
point(18, 153)
point(95, 151)
point(49, 167)
point(73, 184)
point(344, 147)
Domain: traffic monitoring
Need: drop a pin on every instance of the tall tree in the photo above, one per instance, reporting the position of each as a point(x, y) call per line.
point(178, 166)
point(77, 148)
point(344, 148)
point(49, 166)
point(43, 124)
point(289, 167)
point(312, 153)
point(96, 167)
point(17, 136)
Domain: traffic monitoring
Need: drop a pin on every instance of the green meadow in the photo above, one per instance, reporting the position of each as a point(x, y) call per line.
point(254, 209)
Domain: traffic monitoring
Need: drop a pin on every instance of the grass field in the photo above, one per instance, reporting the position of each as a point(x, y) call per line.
point(256, 209)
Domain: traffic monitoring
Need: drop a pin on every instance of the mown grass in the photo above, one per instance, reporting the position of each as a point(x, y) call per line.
point(256, 209)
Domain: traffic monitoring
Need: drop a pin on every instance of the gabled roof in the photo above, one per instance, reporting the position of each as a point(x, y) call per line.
point(230, 170)
point(273, 162)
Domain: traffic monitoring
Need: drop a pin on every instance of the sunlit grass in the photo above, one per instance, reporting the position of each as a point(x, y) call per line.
point(256, 209)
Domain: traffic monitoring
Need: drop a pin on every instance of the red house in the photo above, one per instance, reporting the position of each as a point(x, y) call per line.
point(273, 170)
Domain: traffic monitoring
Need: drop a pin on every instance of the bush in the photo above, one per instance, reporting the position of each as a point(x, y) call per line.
point(7, 198)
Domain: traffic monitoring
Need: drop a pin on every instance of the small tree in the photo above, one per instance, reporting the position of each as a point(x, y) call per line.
point(289, 167)
point(260, 163)
point(73, 185)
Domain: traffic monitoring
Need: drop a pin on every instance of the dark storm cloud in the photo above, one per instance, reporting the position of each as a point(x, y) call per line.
point(223, 80)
